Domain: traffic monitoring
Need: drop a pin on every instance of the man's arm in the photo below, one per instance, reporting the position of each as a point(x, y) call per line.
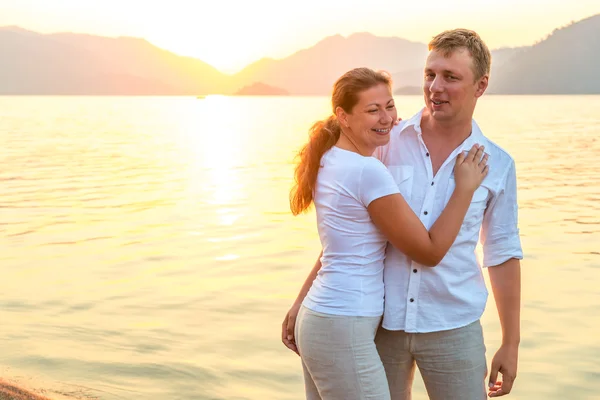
point(289, 322)
point(505, 279)
point(501, 254)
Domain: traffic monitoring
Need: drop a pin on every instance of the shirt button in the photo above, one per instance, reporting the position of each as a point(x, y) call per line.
point(425, 213)
point(412, 300)
point(415, 270)
point(431, 183)
point(427, 154)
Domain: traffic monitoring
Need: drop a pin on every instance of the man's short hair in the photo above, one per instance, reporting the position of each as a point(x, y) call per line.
point(449, 41)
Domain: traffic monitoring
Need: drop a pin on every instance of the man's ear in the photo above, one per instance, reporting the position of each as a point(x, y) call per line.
point(482, 85)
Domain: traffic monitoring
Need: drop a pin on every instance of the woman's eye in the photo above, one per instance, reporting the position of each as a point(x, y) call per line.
point(372, 111)
point(391, 107)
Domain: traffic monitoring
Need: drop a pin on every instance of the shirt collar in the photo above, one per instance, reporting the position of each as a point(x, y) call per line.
point(476, 135)
point(414, 122)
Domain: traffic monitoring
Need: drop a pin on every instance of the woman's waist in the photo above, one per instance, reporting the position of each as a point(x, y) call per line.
point(344, 290)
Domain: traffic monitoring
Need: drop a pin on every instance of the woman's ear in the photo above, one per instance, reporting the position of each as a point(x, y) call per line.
point(341, 116)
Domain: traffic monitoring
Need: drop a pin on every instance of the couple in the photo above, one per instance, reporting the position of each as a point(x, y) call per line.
point(424, 187)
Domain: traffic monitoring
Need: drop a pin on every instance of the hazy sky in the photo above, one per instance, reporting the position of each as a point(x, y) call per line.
point(231, 34)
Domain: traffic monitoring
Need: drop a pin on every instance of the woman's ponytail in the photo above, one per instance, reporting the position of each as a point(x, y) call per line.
point(323, 135)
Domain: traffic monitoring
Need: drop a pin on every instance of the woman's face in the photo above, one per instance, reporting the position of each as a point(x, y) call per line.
point(371, 119)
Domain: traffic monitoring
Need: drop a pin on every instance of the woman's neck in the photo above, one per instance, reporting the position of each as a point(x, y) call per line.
point(346, 143)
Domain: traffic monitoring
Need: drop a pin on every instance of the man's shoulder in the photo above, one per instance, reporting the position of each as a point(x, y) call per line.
point(500, 163)
point(496, 152)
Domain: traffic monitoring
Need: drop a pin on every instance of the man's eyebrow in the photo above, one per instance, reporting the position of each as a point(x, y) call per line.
point(446, 71)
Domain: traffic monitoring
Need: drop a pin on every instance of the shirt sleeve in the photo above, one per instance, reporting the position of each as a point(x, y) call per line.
point(375, 182)
point(500, 231)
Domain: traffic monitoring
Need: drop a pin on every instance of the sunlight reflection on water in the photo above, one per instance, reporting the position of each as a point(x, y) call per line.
point(149, 252)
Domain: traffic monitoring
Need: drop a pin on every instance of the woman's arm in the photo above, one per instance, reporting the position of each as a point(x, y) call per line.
point(289, 322)
point(309, 280)
point(405, 231)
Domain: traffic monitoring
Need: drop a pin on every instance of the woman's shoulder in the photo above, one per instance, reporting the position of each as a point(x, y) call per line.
point(351, 161)
point(375, 165)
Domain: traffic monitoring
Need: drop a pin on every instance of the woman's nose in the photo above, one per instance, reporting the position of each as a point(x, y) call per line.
point(386, 117)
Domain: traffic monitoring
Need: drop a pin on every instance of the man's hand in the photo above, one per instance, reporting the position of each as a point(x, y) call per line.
point(287, 328)
point(397, 121)
point(505, 361)
point(506, 285)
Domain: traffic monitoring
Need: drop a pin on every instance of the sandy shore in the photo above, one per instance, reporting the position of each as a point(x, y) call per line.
point(18, 385)
point(9, 391)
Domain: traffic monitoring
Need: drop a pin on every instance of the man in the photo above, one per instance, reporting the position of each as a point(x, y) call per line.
point(431, 317)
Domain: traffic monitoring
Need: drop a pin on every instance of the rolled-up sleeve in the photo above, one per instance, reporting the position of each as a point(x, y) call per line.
point(500, 230)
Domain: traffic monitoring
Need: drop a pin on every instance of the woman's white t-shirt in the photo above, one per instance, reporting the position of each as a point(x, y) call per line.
point(350, 281)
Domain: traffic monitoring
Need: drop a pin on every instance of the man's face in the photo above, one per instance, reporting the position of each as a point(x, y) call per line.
point(450, 88)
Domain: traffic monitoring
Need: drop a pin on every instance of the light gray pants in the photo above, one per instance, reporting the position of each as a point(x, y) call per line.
point(452, 363)
point(339, 357)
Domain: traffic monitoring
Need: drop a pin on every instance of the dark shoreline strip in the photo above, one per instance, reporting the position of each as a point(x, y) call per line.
point(11, 392)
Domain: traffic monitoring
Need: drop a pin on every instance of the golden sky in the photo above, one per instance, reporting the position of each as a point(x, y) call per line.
point(231, 34)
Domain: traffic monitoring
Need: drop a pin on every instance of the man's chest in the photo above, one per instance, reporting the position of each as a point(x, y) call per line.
point(426, 180)
point(420, 179)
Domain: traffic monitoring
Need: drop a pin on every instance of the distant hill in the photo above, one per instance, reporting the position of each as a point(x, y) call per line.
point(414, 77)
point(67, 63)
point(314, 70)
point(260, 89)
point(566, 62)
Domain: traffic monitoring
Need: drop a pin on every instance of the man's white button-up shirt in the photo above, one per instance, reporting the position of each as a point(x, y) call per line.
point(452, 294)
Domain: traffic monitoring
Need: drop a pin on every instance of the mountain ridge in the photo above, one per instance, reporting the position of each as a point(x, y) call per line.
point(75, 63)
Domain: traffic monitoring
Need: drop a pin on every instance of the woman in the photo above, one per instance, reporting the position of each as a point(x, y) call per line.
point(359, 209)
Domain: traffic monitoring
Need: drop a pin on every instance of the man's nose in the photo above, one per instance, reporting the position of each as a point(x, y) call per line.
point(436, 85)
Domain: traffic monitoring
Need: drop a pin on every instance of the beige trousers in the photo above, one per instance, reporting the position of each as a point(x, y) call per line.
point(452, 363)
point(339, 357)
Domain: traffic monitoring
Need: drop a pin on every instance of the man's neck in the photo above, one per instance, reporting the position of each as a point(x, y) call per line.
point(451, 133)
point(442, 138)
